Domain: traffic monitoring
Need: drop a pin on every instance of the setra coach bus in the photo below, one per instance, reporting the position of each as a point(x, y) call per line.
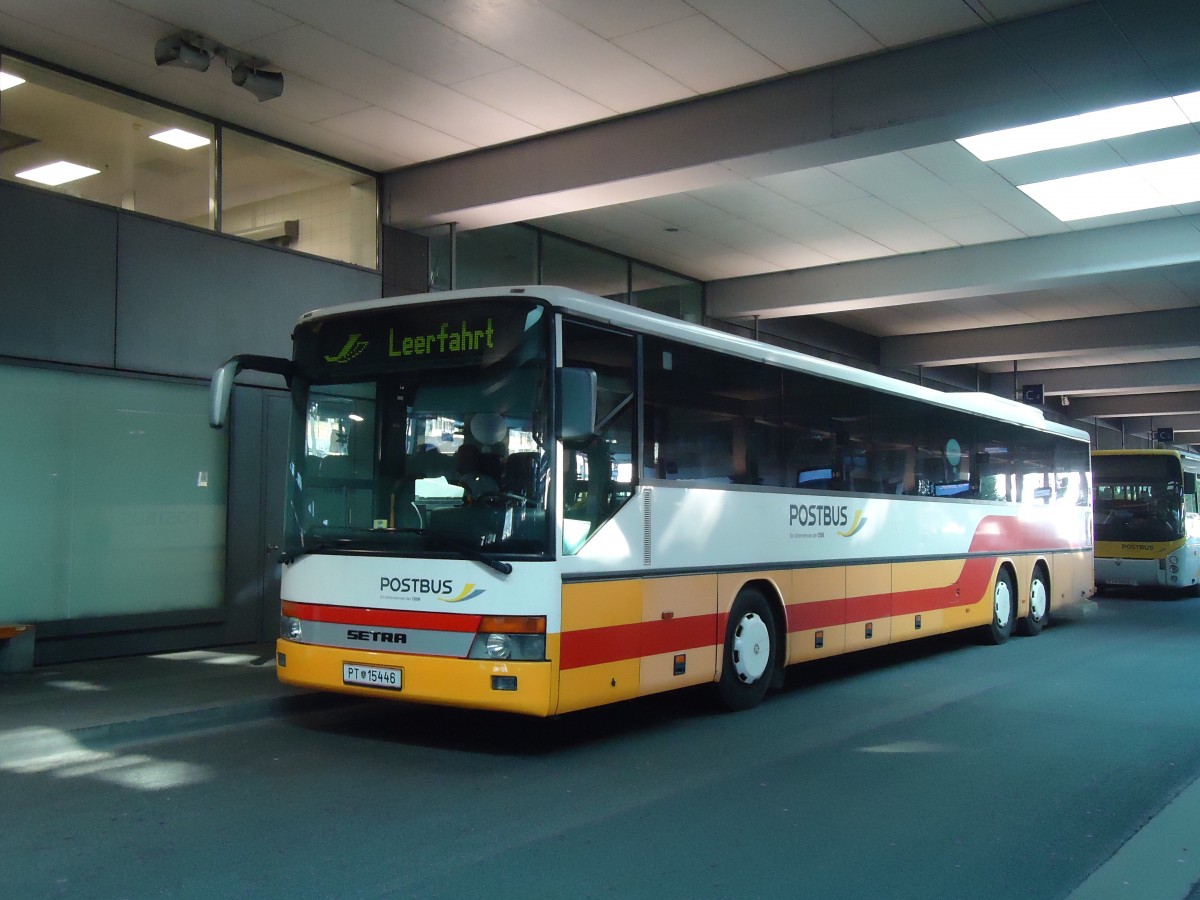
point(1147, 520)
point(535, 500)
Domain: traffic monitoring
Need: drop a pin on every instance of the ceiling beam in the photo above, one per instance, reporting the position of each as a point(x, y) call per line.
point(1001, 267)
point(1045, 340)
point(1179, 424)
point(891, 101)
point(1085, 381)
point(1127, 406)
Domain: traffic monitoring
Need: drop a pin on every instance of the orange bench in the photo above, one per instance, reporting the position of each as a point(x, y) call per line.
point(16, 648)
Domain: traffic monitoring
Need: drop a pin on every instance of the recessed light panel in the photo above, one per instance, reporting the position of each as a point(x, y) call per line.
point(1171, 182)
point(177, 137)
point(7, 81)
point(57, 173)
point(1101, 125)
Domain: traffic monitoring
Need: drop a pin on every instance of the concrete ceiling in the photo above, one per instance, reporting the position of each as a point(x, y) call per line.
point(799, 155)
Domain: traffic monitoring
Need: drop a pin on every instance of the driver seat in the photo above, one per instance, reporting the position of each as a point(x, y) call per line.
point(521, 475)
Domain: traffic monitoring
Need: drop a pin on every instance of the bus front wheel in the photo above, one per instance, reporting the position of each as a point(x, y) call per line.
point(1004, 608)
point(1039, 604)
point(751, 654)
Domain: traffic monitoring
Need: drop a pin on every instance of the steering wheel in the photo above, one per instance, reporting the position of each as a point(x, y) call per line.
point(501, 498)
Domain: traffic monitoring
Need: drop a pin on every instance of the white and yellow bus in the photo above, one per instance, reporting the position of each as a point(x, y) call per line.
point(535, 500)
point(1147, 520)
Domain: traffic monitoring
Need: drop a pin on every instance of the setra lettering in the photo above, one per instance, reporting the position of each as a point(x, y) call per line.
point(377, 637)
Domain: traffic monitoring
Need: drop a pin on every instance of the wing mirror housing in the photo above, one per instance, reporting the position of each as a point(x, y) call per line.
point(221, 388)
point(577, 403)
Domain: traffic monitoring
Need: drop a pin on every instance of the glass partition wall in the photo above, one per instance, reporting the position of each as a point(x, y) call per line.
point(118, 490)
point(524, 254)
point(76, 138)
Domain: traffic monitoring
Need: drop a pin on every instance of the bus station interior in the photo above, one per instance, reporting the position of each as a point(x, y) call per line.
point(792, 172)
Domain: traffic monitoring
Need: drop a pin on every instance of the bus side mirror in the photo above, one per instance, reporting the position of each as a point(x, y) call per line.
point(1189, 483)
point(577, 399)
point(219, 393)
point(222, 381)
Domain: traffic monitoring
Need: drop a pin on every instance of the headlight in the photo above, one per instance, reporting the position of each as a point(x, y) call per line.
point(510, 637)
point(499, 646)
point(290, 628)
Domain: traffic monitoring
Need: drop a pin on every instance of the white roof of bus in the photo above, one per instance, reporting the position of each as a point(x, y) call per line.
point(601, 309)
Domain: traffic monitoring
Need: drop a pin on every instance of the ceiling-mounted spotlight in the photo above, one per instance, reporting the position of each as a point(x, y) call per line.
point(263, 85)
point(181, 50)
point(195, 51)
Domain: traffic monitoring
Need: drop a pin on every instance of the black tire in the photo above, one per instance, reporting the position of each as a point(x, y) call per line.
point(751, 655)
point(1004, 609)
point(1039, 604)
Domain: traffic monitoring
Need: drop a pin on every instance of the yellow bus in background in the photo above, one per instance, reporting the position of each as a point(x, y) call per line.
point(1147, 519)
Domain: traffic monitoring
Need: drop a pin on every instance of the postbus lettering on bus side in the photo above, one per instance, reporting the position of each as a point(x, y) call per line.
point(818, 514)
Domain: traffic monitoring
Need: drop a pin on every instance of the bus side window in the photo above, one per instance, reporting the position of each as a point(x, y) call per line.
point(600, 469)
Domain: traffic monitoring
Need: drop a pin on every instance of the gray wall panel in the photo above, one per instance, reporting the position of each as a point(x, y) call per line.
point(58, 277)
point(189, 299)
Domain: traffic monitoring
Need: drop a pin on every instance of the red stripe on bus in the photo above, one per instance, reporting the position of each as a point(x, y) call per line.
point(592, 646)
point(816, 614)
point(864, 609)
point(969, 588)
point(671, 635)
point(386, 618)
point(1008, 534)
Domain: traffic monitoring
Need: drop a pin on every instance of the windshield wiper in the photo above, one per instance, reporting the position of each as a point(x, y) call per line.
point(319, 547)
point(462, 548)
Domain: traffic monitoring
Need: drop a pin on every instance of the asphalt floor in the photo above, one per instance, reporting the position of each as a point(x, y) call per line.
point(62, 710)
point(55, 709)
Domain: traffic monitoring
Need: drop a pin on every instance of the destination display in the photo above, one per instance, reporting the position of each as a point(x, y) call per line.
point(474, 333)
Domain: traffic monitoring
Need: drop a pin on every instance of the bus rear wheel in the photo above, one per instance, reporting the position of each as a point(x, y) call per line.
point(1004, 608)
point(1039, 604)
point(751, 655)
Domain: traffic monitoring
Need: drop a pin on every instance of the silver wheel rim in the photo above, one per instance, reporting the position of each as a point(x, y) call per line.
point(1039, 600)
point(1004, 603)
point(751, 648)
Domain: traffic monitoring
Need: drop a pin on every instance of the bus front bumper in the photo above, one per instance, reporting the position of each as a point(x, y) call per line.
point(517, 687)
point(1122, 572)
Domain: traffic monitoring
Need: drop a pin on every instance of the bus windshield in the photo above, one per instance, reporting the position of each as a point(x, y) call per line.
point(1138, 498)
point(422, 431)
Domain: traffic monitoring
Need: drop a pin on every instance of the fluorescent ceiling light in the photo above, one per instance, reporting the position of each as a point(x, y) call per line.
point(177, 137)
point(1086, 128)
point(7, 81)
point(1171, 182)
point(57, 173)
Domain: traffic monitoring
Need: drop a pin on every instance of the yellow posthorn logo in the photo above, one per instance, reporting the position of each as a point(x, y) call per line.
point(352, 349)
point(468, 593)
point(855, 526)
